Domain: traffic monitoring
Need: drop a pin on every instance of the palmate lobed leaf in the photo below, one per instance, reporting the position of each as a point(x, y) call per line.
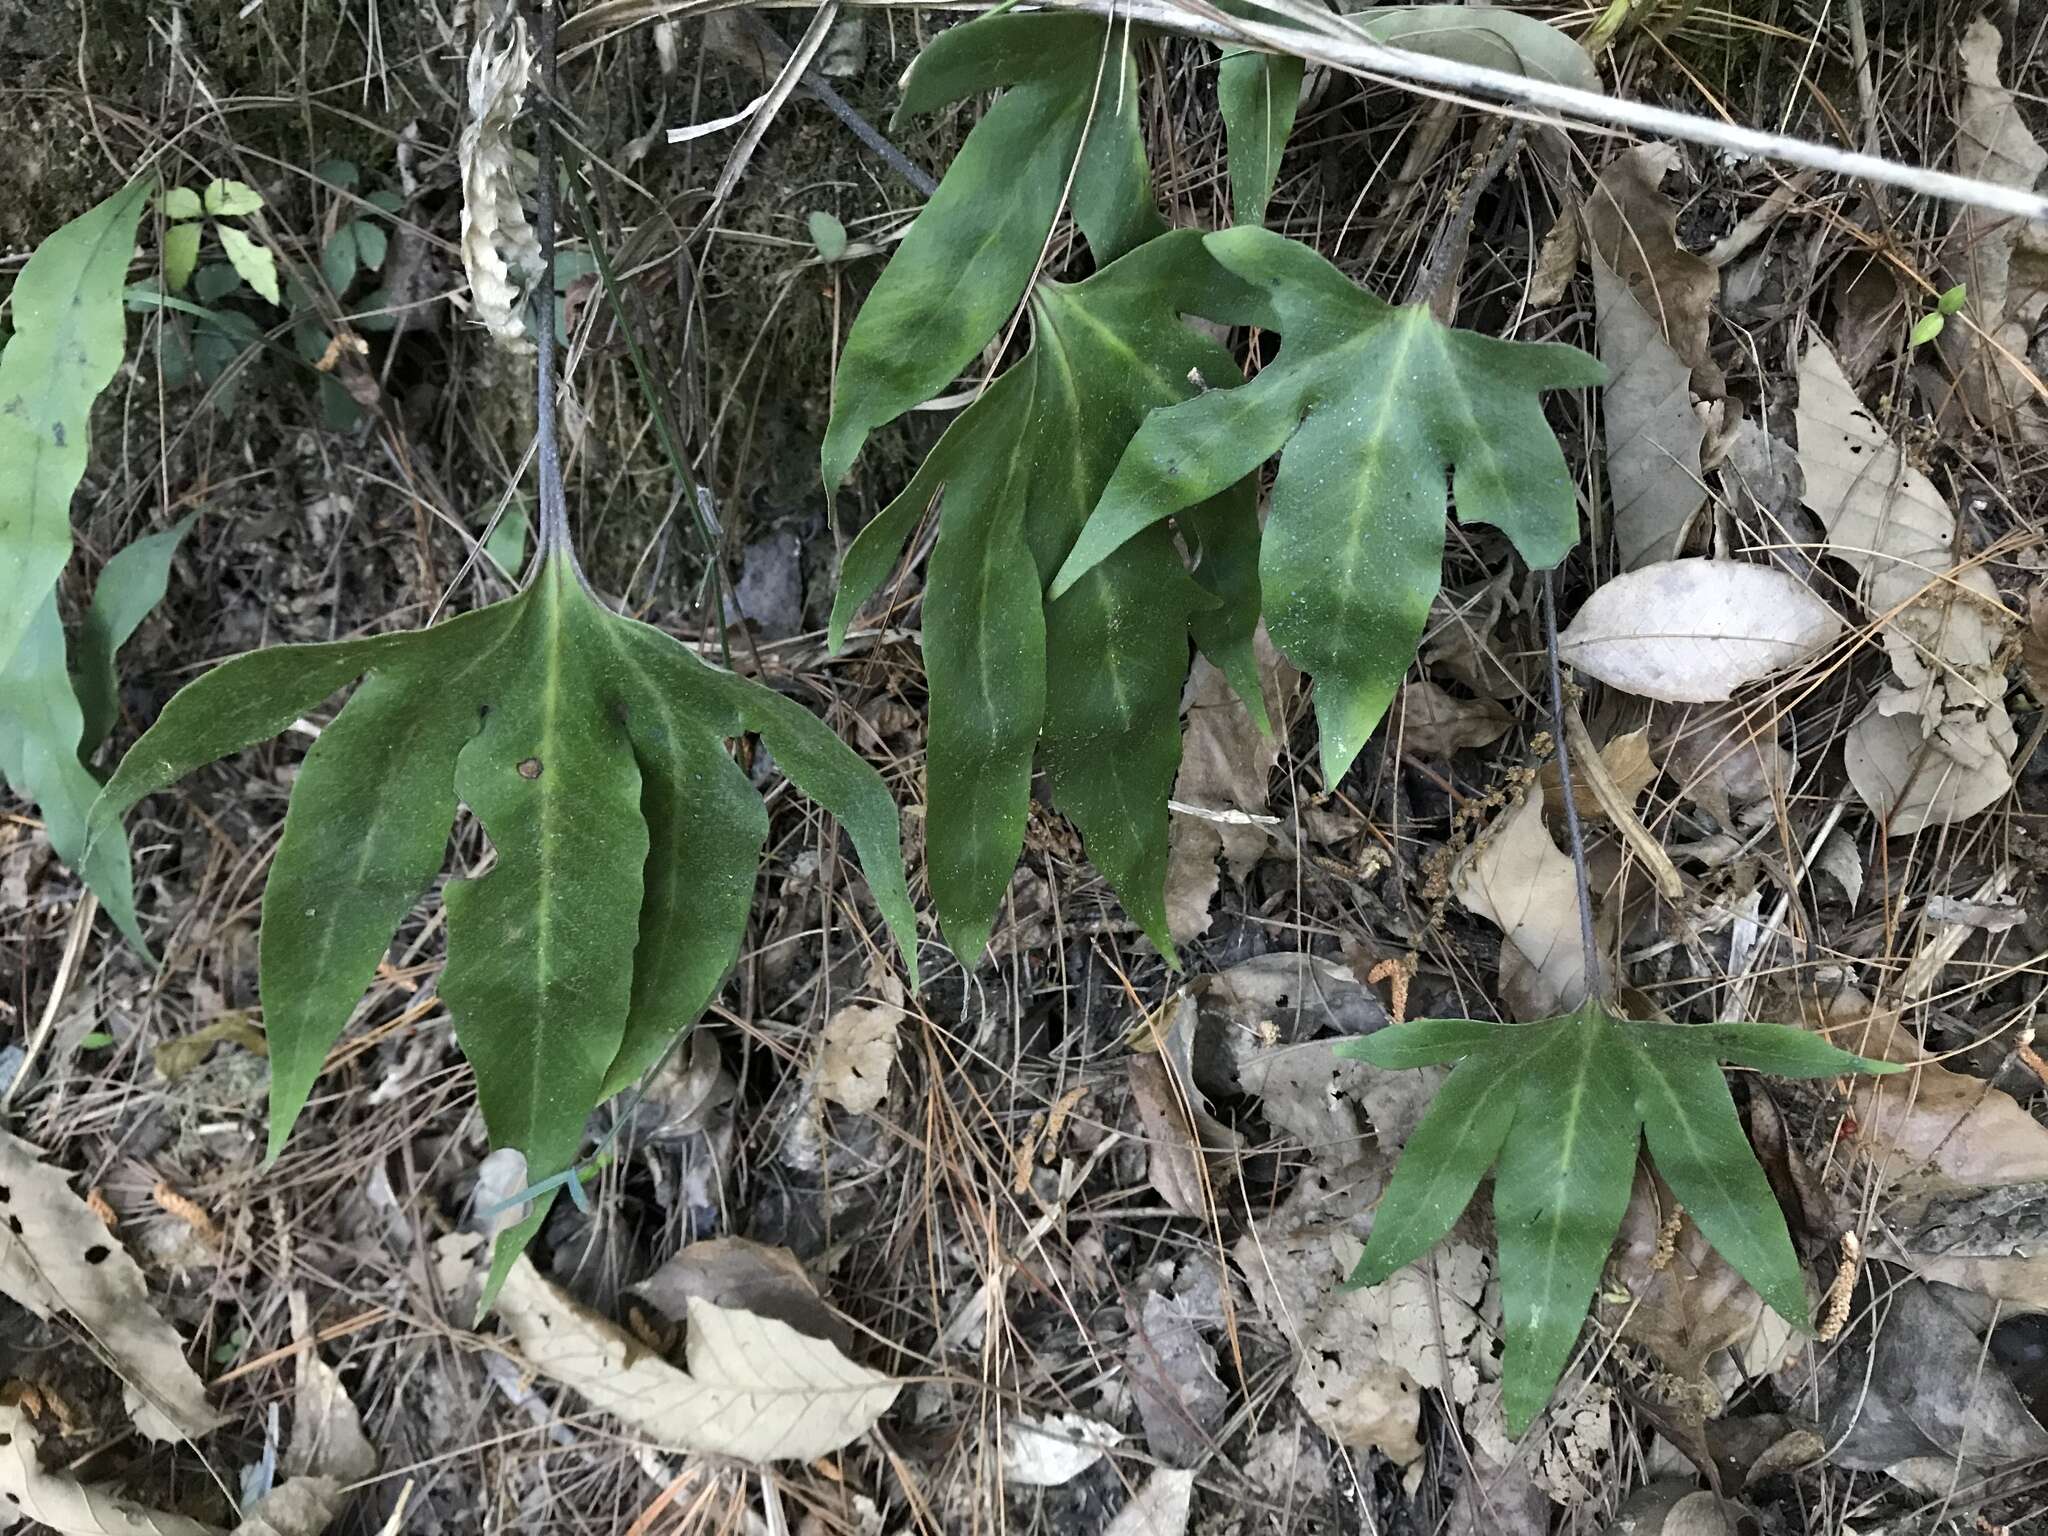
point(1561, 1107)
point(592, 750)
point(1095, 677)
point(1369, 407)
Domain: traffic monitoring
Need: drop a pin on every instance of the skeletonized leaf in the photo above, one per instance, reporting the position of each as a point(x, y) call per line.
point(500, 251)
point(1259, 94)
point(1372, 405)
point(68, 333)
point(754, 1388)
point(1586, 1085)
point(1653, 437)
point(60, 1258)
point(1694, 631)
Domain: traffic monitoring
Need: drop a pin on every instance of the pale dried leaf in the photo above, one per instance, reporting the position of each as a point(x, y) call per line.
point(327, 1441)
point(1876, 507)
point(58, 1257)
point(500, 251)
point(1159, 1507)
point(1840, 861)
point(1225, 765)
point(1171, 1369)
point(67, 1506)
point(1653, 436)
point(1997, 257)
point(1435, 723)
point(1634, 229)
point(755, 1388)
point(1516, 879)
point(1724, 760)
point(1693, 631)
point(1043, 1453)
point(1914, 781)
point(856, 1055)
point(1179, 1135)
point(305, 1506)
point(1930, 1129)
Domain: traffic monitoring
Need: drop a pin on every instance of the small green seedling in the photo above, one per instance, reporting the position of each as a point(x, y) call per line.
point(248, 260)
point(1929, 325)
point(829, 236)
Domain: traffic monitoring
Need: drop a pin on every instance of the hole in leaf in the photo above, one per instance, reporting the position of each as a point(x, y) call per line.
point(97, 1253)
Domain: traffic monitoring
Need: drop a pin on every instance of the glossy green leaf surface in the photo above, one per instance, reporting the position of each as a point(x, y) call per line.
point(1068, 113)
point(1558, 1110)
point(68, 335)
point(625, 841)
point(1371, 407)
point(1259, 94)
point(1094, 678)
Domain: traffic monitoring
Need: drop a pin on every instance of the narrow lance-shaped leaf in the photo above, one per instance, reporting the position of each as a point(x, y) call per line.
point(131, 585)
point(963, 267)
point(68, 336)
point(364, 835)
point(1373, 405)
point(40, 728)
point(1259, 94)
point(1563, 1104)
point(540, 952)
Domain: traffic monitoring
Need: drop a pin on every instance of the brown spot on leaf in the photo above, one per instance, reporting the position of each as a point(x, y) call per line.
point(530, 769)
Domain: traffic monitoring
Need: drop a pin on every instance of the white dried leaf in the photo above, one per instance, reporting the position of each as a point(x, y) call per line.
point(1043, 1453)
point(1653, 436)
point(856, 1054)
point(1840, 861)
point(56, 1256)
point(1693, 631)
point(755, 1388)
point(2001, 261)
point(1517, 880)
point(1159, 1508)
point(67, 1506)
point(500, 251)
point(1936, 745)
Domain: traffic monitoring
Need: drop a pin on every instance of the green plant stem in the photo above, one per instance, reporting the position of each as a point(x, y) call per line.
point(552, 536)
point(1595, 973)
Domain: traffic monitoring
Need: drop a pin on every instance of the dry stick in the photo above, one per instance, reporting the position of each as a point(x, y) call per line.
point(1595, 975)
point(553, 537)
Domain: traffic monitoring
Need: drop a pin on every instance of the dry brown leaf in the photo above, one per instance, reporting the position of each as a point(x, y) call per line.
point(67, 1506)
point(1633, 227)
point(176, 1057)
point(1434, 723)
point(738, 1273)
point(2001, 260)
point(1171, 1369)
point(327, 1432)
point(856, 1054)
point(754, 1389)
point(1694, 631)
point(1631, 768)
point(500, 251)
point(1516, 879)
point(1936, 745)
point(1724, 760)
point(1170, 1116)
point(1653, 435)
point(1225, 765)
point(61, 1259)
point(1930, 1129)
point(1691, 1307)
